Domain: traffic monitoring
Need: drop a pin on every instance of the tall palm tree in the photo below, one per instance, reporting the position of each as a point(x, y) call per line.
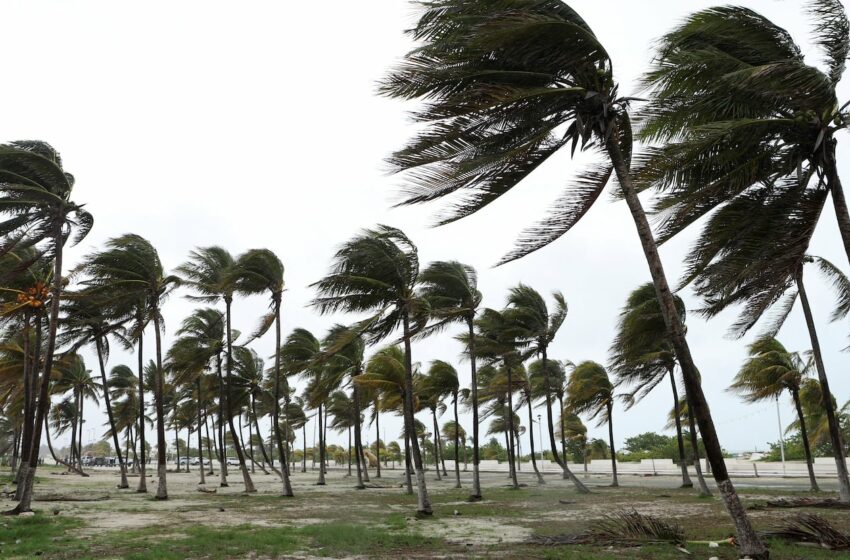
point(249, 369)
point(451, 290)
point(78, 380)
point(545, 82)
point(590, 392)
point(212, 273)
point(376, 272)
point(642, 356)
point(128, 276)
point(441, 382)
point(84, 322)
point(539, 328)
point(769, 371)
point(527, 396)
point(260, 270)
point(35, 200)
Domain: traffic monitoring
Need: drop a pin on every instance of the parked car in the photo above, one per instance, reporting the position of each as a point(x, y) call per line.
point(233, 461)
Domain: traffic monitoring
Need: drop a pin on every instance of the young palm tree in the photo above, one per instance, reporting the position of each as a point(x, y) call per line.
point(590, 392)
point(527, 396)
point(78, 380)
point(539, 328)
point(376, 272)
point(451, 290)
point(128, 276)
point(260, 270)
point(642, 356)
point(249, 368)
point(769, 371)
point(212, 273)
point(441, 382)
point(35, 200)
point(545, 82)
point(575, 432)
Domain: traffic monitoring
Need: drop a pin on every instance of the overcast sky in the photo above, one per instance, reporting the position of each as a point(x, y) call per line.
point(256, 124)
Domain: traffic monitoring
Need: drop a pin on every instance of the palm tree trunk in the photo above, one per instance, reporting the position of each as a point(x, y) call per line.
point(703, 487)
point(568, 473)
point(750, 543)
point(25, 438)
point(349, 452)
point(407, 465)
point(304, 456)
point(476, 456)
point(616, 482)
point(436, 443)
point(108, 401)
point(177, 447)
point(161, 465)
point(511, 432)
point(828, 405)
point(531, 441)
point(200, 424)
point(262, 445)
point(25, 503)
point(358, 444)
point(795, 394)
point(378, 438)
point(686, 479)
point(246, 476)
point(321, 481)
point(219, 428)
point(457, 442)
point(838, 201)
point(423, 503)
point(82, 401)
point(210, 442)
point(250, 446)
point(140, 436)
point(281, 448)
point(53, 453)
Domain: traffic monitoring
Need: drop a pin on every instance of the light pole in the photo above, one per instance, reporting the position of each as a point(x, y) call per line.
point(540, 436)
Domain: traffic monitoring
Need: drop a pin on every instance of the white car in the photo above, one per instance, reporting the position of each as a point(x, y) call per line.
point(233, 461)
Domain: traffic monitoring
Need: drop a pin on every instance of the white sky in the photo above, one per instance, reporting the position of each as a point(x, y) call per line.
point(255, 124)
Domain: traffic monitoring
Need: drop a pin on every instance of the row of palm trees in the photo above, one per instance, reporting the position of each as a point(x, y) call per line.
point(737, 128)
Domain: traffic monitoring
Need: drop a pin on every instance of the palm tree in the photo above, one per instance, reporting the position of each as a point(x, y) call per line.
point(453, 431)
point(739, 109)
point(590, 392)
point(78, 380)
point(376, 272)
point(546, 82)
point(212, 273)
point(451, 290)
point(539, 328)
point(84, 322)
point(642, 356)
point(35, 200)
point(128, 277)
point(441, 382)
point(249, 368)
point(574, 431)
point(260, 270)
point(769, 371)
point(527, 396)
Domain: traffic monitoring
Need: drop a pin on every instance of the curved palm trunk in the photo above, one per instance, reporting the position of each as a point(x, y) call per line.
point(53, 452)
point(25, 438)
point(750, 542)
point(703, 487)
point(161, 466)
point(407, 465)
point(829, 408)
point(321, 481)
point(511, 431)
point(838, 201)
point(424, 503)
point(263, 445)
point(121, 465)
point(457, 442)
point(222, 450)
point(81, 400)
point(209, 445)
point(795, 394)
point(358, 445)
point(25, 503)
point(616, 482)
point(304, 455)
point(476, 456)
point(143, 483)
point(683, 463)
point(436, 443)
point(568, 473)
point(200, 444)
point(246, 476)
point(531, 441)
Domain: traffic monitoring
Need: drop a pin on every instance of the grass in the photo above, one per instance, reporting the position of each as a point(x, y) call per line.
point(33, 536)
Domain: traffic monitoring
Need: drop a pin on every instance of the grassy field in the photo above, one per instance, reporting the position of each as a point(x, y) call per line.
point(336, 521)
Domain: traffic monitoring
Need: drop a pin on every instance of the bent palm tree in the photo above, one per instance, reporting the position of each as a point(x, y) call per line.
point(376, 272)
point(451, 290)
point(590, 392)
point(441, 382)
point(509, 85)
point(768, 372)
point(212, 273)
point(35, 200)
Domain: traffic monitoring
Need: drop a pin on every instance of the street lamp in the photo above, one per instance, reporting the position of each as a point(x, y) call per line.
point(540, 435)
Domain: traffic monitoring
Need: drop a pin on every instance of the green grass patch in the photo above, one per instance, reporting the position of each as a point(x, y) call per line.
point(334, 539)
point(33, 536)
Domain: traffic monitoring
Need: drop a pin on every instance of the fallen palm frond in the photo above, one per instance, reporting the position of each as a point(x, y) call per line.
point(623, 527)
point(832, 503)
point(811, 528)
